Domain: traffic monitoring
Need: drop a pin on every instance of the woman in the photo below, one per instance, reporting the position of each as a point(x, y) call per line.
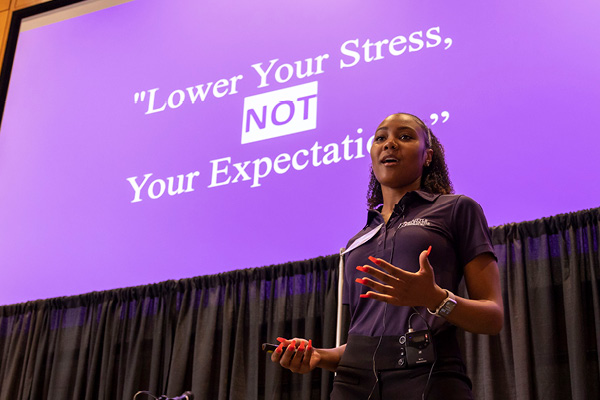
point(420, 244)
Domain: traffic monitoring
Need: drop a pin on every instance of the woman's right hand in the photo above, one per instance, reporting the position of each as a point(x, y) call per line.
point(297, 355)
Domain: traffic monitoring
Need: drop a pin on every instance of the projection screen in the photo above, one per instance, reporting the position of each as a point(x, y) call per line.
point(156, 140)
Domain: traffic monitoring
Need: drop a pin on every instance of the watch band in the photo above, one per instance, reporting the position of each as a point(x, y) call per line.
point(446, 307)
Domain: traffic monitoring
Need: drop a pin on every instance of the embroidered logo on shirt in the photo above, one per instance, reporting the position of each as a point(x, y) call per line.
point(415, 222)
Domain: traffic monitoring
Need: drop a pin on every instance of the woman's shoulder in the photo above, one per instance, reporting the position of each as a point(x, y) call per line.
point(462, 206)
point(459, 199)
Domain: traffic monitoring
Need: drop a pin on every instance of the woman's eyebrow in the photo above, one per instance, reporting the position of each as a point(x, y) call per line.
point(399, 129)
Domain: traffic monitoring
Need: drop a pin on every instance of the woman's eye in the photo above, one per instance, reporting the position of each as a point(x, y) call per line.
point(405, 137)
point(379, 138)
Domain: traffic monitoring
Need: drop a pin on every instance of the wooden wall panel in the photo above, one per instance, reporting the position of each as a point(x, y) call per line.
point(4, 5)
point(3, 26)
point(4, 19)
point(27, 3)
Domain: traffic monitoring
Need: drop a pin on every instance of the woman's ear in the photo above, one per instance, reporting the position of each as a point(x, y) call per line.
point(428, 157)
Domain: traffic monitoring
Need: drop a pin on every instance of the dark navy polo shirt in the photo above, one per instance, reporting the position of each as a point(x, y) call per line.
point(455, 227)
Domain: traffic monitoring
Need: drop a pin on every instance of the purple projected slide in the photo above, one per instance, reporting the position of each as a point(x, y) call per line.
point(163, 140)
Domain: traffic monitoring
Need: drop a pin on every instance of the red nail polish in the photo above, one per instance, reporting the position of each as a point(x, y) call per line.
point(301, 348)
point(292, 346)
point(364, 296)
point(359, 280)
point(278, 349)
point(280, 339)
point(309, 347)
point(361, 269)
point(374, 260)
point(428, 251)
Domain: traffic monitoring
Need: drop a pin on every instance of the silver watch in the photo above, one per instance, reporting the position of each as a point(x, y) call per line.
point(446, 307)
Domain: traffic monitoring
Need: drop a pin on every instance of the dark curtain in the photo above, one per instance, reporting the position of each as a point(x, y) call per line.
point(201, 334)
point(204, 334)
point(548, 348)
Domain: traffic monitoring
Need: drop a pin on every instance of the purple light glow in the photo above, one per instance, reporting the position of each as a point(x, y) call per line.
point(511, 95)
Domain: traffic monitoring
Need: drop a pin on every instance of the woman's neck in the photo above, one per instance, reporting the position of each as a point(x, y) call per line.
point(391, 197)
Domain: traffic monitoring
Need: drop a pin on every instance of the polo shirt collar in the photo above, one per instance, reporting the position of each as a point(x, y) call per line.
point(430, 197)
point(408, 198)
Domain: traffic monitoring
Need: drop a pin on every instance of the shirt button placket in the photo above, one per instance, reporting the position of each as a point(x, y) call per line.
point(381, 239)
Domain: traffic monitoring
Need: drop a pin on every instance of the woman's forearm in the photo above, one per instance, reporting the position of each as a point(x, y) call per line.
point(483, 311)
point(477, 316)
point(330, 358)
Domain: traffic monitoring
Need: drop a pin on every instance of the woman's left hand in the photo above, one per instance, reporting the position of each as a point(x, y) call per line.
point(402, 288)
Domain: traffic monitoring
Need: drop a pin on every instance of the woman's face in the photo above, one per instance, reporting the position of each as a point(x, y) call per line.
point(399, 152)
